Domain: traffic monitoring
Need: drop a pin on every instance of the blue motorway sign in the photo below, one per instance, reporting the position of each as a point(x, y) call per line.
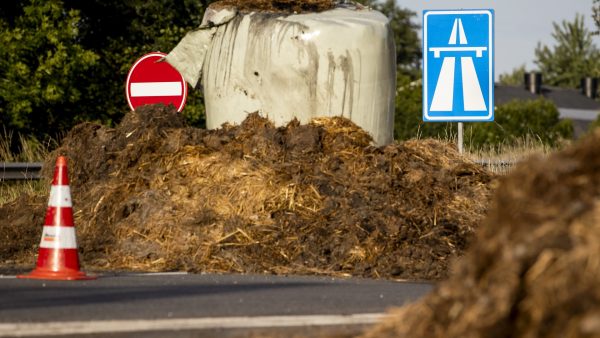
point(458, 65)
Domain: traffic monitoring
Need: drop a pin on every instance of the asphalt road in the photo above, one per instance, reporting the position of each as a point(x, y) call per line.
point(123, 303)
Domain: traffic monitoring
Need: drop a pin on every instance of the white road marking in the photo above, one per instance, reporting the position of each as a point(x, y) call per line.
point(463, 37)
point(452, 40)
point(142, 325)
point(473, 97)
point(444, 90)
point(156, 89)
point(150, 274)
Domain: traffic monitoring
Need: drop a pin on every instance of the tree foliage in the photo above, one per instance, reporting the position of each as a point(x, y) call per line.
point(63, 62)
point(122, 31)
point(42, 66)
point(573, 57)
point(514, 78)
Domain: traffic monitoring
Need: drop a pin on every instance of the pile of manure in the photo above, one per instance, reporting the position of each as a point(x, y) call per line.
point(276, 6)
point(153, 194)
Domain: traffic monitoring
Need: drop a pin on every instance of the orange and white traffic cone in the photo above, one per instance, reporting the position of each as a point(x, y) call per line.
point(57, 256)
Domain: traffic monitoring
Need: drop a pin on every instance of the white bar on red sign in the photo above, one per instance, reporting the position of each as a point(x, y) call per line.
point(57, 237)
point(139, 89)
point(60, 196)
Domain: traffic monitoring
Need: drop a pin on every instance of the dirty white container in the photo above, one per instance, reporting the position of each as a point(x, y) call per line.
point(339, 62)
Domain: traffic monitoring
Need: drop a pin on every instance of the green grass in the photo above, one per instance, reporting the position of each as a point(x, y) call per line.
point(503, 157)
point(22, 149)
point(10, 191)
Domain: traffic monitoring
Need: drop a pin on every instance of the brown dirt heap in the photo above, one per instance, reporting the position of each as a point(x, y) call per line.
point(155, 195)
point(277, 6)
point(534, 269)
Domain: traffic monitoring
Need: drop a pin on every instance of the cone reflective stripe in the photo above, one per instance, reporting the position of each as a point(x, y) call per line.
point(57, 255)
point(60, 196)
point(58, 238)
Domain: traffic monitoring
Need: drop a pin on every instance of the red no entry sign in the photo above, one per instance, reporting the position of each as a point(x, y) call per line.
point(153, 81)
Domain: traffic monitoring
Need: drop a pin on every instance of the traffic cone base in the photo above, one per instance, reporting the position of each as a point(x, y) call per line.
point(57, 265)
point(57, 256)
point(64, 274)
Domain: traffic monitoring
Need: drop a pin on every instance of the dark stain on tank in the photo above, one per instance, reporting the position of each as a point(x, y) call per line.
point(311, 73)
point(232, 34)
point(222, 49)
point(348, 72)
point(330, 79)
point(267, 35)
point(345, 65)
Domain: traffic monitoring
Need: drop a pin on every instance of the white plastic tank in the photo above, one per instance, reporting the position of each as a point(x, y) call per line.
point(340, 62)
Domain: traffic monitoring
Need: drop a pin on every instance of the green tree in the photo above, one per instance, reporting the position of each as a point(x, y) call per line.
point(122, 31)
point(65, 61)
point(42, 69)
point(573, 57)
point(406, 38)
point(514, 78)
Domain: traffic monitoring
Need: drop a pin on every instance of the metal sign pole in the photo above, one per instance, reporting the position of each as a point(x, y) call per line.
point(460, 137)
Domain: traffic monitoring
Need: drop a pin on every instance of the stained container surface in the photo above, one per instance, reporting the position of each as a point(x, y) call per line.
point(339, 62)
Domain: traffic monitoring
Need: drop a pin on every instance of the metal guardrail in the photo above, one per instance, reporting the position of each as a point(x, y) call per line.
point(497, 163)
point(20, 170)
